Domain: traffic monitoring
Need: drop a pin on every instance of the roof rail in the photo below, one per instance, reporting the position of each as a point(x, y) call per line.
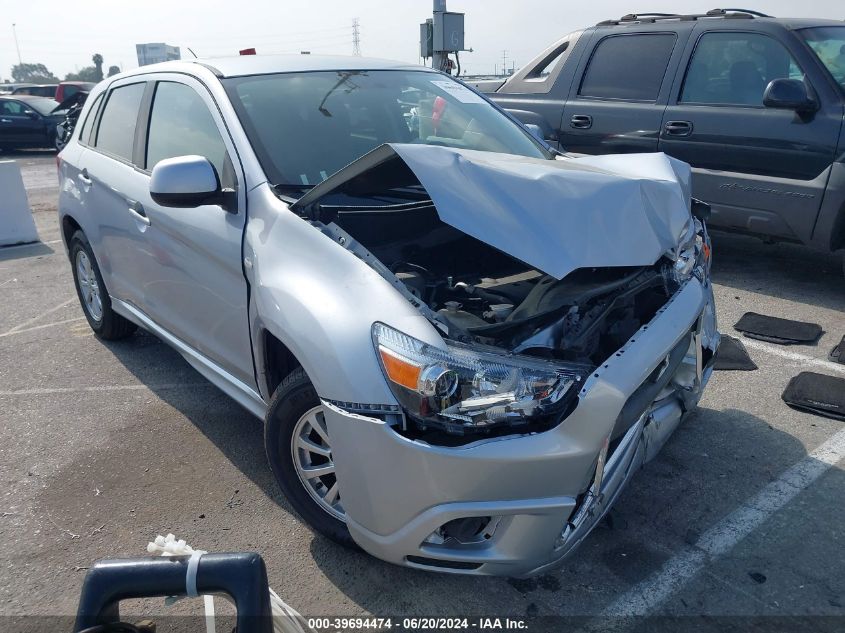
point(651, 18)
point(756, 14)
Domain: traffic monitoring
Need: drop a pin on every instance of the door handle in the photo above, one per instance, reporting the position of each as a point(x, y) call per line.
point(678, 128)
point(137, 209)
point(581, 121)
point(5, 120)
point(84, 178)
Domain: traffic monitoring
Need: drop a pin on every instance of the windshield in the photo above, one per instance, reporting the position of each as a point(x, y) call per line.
point(306, 126)
point(828, 43)
point(42, 106)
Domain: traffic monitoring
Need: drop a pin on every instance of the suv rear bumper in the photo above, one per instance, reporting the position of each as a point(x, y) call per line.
point(543, 493)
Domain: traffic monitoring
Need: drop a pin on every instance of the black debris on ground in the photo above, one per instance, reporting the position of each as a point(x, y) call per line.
point(837, 354)
point(776, 330)
point(817, 393)
point(732, 356)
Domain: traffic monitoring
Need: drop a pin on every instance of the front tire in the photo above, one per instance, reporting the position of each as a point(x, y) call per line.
point(299, 452)
point(91, 290)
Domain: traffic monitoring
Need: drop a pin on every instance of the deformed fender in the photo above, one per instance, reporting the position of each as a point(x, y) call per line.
point(321, 301)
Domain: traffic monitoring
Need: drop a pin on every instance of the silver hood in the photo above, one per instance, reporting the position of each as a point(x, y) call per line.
point(555, 215)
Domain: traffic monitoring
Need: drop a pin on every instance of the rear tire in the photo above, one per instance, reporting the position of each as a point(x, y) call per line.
point(296, 440)
point(92, 293)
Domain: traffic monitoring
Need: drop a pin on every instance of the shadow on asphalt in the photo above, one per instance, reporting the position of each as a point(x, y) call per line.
point(237, 433)
point(22, 251)
point(787, 271)
point(6, 154)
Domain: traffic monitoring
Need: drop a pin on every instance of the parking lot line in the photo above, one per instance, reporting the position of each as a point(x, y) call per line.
point(34, 319)
point(40, 327)
point(795, 356)
point(644, 597)
point(46, 391)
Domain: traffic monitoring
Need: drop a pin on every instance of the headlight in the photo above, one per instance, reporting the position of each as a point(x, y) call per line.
point(694, 253)
point(461, 389)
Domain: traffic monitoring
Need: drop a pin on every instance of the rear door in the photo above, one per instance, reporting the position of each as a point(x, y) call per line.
point(616, 102)
point(763, 170)
point(109, 182)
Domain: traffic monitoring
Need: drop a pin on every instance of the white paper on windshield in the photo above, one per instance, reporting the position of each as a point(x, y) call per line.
point(459, 91)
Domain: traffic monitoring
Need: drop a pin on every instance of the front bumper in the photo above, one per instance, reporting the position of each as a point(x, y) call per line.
point(543, 492)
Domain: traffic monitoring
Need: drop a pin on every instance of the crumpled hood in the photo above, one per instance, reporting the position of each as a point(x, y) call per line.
point(555, 215)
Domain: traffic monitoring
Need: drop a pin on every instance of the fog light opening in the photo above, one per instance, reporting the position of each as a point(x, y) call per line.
point(464, 531)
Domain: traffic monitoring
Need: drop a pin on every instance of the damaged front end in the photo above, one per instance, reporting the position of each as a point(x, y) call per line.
point(534, 272)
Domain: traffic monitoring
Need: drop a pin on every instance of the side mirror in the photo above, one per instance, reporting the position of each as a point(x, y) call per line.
point(789, 94)
point(185, 182)
point(535, 130)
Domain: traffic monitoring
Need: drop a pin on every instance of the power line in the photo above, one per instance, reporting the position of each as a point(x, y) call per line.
point(356, 37)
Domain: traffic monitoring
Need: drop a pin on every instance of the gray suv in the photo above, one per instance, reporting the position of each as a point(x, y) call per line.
point(755, 104)
point(462, 345)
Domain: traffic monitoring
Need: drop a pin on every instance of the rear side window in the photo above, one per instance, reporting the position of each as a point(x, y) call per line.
point(85, 131)
point(116, 132)
point(181, 124)
point(628, 67)
point(735, 68)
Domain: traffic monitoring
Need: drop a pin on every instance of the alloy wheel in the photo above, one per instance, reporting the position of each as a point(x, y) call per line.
point(88, 286)
point(312, 459)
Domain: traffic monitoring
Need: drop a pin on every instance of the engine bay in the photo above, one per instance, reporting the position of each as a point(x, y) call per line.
point(479, 296)
point(487, 297)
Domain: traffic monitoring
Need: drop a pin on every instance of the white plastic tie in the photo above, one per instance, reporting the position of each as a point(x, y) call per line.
point(191, 575)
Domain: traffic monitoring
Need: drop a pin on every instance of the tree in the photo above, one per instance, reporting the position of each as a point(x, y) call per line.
point(89, 73)
point(33, 73)
point(113, 70)
point(98, 66)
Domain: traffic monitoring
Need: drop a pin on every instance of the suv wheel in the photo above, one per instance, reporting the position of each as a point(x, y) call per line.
point(91, 290)
point(300, 455)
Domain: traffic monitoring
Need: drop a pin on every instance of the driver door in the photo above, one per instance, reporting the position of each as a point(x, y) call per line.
point(762, 170)
point(195, 285)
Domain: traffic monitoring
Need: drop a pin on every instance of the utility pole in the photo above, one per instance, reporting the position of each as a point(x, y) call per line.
point(17, 46)
point(356, 37)
point(440, 35)
point(439, 58)
point(504, 63)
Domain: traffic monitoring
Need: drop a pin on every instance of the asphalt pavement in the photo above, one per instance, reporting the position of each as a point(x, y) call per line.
point(105, 445)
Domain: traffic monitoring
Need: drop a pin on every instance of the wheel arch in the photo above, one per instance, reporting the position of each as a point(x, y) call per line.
point(276, 361)
point(69, 227)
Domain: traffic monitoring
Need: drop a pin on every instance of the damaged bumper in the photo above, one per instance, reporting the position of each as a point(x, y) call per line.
point(516, 505)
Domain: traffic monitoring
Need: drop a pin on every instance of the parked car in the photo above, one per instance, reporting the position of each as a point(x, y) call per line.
point(43, 90)
point(27, 121)
point(462, 345)
point(753, 103)
point(67, 89)
point(9, 88)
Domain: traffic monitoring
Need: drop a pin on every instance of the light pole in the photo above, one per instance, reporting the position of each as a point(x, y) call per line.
point(17, 46)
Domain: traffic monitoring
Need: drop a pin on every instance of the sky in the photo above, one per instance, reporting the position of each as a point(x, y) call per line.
point(64, 35)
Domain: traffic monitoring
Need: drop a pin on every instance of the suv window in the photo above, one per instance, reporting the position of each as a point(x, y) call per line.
point(628, 66)
point(116, 132)
point(181, 124)
point(735, 68)
point(85, 132)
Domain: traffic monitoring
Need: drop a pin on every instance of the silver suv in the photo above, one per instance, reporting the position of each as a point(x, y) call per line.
point(462, 343)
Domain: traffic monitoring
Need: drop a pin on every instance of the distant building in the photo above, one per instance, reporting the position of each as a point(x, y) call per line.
point(156, 52)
